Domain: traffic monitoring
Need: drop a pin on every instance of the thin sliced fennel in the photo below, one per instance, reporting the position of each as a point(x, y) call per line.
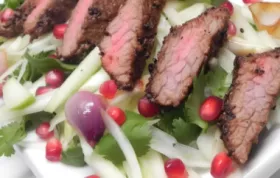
point(168, 146)
point(152, 165)
point(95, 81)
point(267, 39)
point(191, 12)
point(40, 82)
point(12, 69)
point(124, 144)
point(163, 29)
point(59, 118)
point(15, 96)
point(104, 168)
point(44, 43)
point(172, 15)
point(226, 60)
point(82, 73)
point(39, 105)
point(67, 136)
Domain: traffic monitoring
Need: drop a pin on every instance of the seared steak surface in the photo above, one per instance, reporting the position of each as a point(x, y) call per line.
point(130, 40)
point(185, 50)
point(14, 26)
point(46, 15)
point(88, 25)
point(253, 92)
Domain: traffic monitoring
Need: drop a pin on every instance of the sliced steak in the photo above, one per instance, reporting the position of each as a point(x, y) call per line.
point(47, 14)
point(185, 50)
point(87, 25)
point(130, 40)
point(14, 26)
point(253, 92)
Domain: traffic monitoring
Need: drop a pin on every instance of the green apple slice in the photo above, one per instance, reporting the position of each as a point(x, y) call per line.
point(16, 96)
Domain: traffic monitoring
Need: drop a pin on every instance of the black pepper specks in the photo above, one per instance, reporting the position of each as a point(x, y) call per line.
point(241, 30)
point(94, 12)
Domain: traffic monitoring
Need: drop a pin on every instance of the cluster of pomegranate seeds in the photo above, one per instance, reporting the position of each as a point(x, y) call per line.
point(251, 1)
point(54, 78)
point(59, 31)
point(231, 29)
point(228, 5)
point(43, 90)
point(53, 150)
point(117, 114)
point(43, 131)
point(147, 109)
point(221, 166)
point(109, 89)
point(211, 108)
point(92, 176)
point(6, 15)
point(175, 168)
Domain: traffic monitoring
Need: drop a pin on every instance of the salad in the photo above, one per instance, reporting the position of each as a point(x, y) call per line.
point(83, 117)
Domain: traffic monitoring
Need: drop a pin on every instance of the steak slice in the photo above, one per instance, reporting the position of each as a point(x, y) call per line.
point(87, 25)
point(253, 92)
point(14, 26)
point(130, 40)
point(46, 15)
point(185, 50)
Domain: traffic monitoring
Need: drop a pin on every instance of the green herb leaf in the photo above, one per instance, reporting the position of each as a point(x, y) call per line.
point(185, 132)
point(13, 4)
point(9, 135)
point(42, 63)
point(216, 80)
point(194, 101)
point(138, 132)
point(74, 155)
point(217, 2)
point(32, 121)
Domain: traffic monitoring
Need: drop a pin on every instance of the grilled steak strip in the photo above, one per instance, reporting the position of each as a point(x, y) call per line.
point(46, 15)
point(253, 92)
point(185, 50)
point(87, 25)
point(130, 40)
point(14, 26)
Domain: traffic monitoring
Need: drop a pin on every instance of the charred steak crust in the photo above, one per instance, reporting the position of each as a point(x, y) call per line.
point(156, 90)
point(129, 69)
point(58, 12)
point(14, 26)
point(255, 86)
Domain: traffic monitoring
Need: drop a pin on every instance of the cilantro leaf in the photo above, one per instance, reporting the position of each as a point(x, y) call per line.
point(13, 4)
point(185, 132)
point(74, 154)
point(9, 135)
point(41, 63)
point(194, 101)
point(216, 80)
point(32, 121)
point(217, 2)
point(138, 132)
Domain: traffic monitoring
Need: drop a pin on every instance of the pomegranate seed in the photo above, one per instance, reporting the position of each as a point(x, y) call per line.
point(251, 1)
point(228, 5)
point(117, 114)
point(43, 90)
point(43, 131)
point(53, 150)
point(175, 168)
point(54, 78)
point(211, 108)
point(108, 89)
point(59, 31)
point(6, 15)
point(146, 108)
point(231, 29)
point(221, 166)
point(53, 56)
point(93, 176)
point(1, 89)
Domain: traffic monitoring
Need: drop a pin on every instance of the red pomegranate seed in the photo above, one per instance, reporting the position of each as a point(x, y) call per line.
point(211, 108)
point(251, 1)
point(53, 56)
point(175, 168)
point(228, 5)
point(117, 114)
point(53, 150)
point(6, 15)
point(59, 31)
point(221, 166)
point(231, 29)
point(43, 90)
point(146, 108)
point(54, 78)
point(108, 89)
point(93, 176)
point(43, 131)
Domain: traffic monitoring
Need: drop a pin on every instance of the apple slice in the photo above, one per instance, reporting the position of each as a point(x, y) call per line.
point(15, 96)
